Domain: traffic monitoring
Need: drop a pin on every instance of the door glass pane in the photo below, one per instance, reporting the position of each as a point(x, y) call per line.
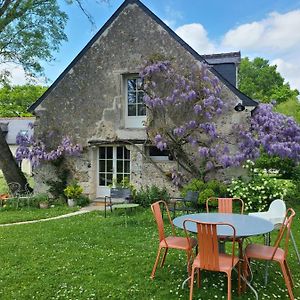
point(102, 179)
point(102, 166)
point(109, 166)
point(119, 178)
point(109, 152)
point(119, 166)
point(126, 153)
point(120, 152)
point(109, 179)
point(102, 152)
point(126, 167)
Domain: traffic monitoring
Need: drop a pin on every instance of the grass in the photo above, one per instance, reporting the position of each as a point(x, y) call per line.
point(13, 216)
point(90, 257)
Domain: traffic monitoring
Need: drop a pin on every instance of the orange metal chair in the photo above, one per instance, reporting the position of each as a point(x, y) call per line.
point(225, 205)
point(275, 253)
point(175, 242)
point(209, 257)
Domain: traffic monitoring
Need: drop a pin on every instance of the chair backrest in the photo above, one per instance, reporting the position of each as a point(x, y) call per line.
point(208, 245)
point(285, 229)
point(120, 193)
point(156, 210)
point(191, 196)
point(14, 189)
point(225, 205)
point(277, 208)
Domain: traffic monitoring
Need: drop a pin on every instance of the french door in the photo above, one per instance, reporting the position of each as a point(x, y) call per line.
point(113, 167)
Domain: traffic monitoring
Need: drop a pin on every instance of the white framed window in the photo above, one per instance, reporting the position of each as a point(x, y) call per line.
point(135, 112)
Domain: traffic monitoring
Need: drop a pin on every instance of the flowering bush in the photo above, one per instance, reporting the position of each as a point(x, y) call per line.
point(258, 191)
point(73, 191)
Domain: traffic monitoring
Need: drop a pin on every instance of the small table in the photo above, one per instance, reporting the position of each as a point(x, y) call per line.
point(125, 206)
point(244, 225)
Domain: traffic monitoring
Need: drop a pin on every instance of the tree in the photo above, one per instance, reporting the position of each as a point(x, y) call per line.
point(14, 100)
point(290, 108)
point(185, 106)
point(259, 80)
point(30, 31)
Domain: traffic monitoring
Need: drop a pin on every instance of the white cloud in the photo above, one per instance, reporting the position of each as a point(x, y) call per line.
point(290, 70)
point(196, 36)
point(276, 38)
point(278, 33)
point(18, 76)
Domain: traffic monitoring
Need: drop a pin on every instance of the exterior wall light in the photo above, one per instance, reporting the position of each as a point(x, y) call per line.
point(239, 107)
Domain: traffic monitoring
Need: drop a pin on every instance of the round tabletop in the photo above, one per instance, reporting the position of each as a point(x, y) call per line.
point(244, 225)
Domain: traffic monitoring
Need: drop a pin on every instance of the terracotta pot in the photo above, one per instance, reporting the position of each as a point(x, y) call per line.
point(44, 204)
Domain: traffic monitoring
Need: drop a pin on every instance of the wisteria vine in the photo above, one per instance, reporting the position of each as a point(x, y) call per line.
point(36, 151)
point(184, 110)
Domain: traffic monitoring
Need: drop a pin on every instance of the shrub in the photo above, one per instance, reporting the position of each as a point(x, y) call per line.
point(257, 191)
point(82, 200)
point(73, 191)
point(212, 188)
point(148, 195)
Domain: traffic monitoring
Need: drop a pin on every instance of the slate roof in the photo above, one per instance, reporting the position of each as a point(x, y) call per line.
point(223, 58)
point(246, 101)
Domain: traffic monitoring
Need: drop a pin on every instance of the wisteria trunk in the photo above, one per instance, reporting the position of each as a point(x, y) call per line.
point(10, 169)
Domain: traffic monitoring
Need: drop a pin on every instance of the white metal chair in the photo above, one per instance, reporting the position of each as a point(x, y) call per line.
point(276, 214)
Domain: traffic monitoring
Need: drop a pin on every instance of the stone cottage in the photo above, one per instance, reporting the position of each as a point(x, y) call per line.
point(97, 102)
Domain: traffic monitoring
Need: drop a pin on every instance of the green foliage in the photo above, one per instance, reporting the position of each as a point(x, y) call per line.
point(30, 31)
point(24, 202)
point(282, 167)
point(258, 190)
point(68, 252)
point(15, 100)
point(148, 195)
point(291, 107)
point(212, 188)
point(82, 200)
point(56, 187)
point(73, 190)
point(259, 80)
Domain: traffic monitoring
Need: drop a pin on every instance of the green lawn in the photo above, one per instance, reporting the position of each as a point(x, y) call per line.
point(14, 216)
point(90, 257)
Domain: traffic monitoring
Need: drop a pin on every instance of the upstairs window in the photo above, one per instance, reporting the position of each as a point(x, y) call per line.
point(135, 107)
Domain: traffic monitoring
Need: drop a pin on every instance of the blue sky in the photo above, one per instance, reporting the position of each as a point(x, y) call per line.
point(266, 28)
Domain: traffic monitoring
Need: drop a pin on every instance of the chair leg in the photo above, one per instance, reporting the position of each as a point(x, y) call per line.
point(192, 283)
point(289, 273)
point(164, 257)
point(228, 286)
point(287, 280)
point(155, 264)
point(245, 273)
point(199, 278)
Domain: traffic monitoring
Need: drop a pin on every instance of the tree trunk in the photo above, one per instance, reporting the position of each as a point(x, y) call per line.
point(8, 164)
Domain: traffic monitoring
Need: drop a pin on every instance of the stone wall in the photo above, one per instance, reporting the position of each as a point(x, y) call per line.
point(88, 102)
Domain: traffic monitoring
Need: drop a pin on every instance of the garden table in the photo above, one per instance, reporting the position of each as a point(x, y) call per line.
point(125, 206)
point(245, 226)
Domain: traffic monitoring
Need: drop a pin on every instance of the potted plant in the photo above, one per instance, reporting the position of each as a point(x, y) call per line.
point(72, 192)
point(42, 200)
